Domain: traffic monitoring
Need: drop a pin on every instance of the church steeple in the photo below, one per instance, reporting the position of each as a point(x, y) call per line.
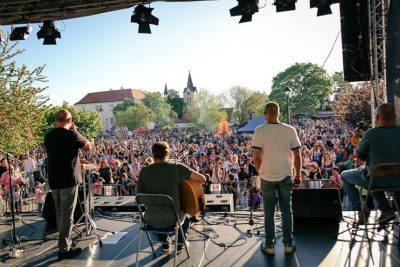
point(165, 90)
point(189, 82)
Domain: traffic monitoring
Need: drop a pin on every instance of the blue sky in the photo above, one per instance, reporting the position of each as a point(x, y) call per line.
point(105, 51)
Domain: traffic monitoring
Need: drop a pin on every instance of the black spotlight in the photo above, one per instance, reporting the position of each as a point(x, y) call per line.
point(246, 9)
point(285, 5)
point(49, 33)
point(324, 6)
point(20, 33)
point(142, 16)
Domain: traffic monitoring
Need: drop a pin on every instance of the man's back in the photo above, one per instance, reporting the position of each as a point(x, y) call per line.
point(162, 178)
point(276, 140)
point(62, 147)
point(381, 144)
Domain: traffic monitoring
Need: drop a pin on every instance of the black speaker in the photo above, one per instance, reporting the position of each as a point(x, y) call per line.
point(316, 205)
point(49, 211)
point(355, 40)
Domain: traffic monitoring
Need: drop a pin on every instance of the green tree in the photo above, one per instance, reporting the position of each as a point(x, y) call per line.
point(88, 122)
point(236, 98)
point(134, 117)
point(177, 103)
point(206, 113)
point(126, 103)
point(161, 109)
point(310, 88)
point(339, 84)
point(354, 106)
point(255, 104)
point(21, 101)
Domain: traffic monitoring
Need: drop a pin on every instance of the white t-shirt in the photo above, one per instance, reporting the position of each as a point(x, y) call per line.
point(29, 165)
point(276, 141)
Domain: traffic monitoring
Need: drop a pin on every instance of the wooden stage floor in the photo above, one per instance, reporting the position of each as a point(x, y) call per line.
point(229, 245)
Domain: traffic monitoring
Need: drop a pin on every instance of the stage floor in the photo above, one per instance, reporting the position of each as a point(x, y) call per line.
point(230, 245)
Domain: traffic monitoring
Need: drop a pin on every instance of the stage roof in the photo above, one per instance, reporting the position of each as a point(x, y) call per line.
point(35, 11)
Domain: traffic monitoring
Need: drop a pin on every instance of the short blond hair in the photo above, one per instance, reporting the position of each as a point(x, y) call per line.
point(63, 115)
point(272, 108)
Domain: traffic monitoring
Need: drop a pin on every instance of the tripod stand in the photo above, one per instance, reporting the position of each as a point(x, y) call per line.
point(85, 218)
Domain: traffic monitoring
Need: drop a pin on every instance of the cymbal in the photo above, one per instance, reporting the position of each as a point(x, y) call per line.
point(88, 167)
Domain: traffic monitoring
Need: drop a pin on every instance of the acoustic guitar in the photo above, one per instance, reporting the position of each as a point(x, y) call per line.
point(191, 197)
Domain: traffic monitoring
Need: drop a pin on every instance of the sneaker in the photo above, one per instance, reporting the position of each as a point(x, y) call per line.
point(180, 247)
point(362, 220)
point(386, 217)
point(69, 254)
point(289, 249)
point(269, 249)
point(167, 246)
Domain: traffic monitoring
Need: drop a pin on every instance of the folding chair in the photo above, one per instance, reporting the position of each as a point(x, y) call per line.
point(168, 204)
point(381, 173)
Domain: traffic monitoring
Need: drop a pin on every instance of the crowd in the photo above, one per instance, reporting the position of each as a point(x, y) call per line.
point(115, 162)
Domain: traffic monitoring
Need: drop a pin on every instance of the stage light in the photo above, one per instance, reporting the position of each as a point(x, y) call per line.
point(20, 33)
point(246, 9)
point(49, 33)
point(285, 5)
point(142, 16)
point(324, 6)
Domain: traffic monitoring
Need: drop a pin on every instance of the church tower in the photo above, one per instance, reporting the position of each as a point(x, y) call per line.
point(165, 90)
point(190, 92)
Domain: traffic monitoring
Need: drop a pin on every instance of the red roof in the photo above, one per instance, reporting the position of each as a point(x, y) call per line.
point(112, 96)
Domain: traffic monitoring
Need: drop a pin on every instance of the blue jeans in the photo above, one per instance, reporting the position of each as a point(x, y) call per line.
point(270, 190)
point(354, 177)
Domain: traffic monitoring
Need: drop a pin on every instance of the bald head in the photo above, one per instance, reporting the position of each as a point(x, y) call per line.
point(385, 115)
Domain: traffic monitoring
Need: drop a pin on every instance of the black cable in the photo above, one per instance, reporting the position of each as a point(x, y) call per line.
point(330, 52)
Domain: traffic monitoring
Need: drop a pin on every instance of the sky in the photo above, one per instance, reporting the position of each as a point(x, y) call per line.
point(105, 51)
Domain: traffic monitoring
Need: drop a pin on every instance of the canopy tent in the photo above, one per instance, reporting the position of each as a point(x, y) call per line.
point(252, 125)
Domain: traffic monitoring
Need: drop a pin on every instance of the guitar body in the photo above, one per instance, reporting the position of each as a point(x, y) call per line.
point(191, 197)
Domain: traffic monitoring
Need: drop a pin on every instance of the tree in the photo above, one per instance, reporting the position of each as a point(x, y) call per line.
point(310, 88)
point(255, 104)
point(88, 122)
point(354, 106)
point(21, 102)
point(126, 103)
point(339, 84)
point(134, 117)
point(236, 98)
point(177, 103)
point(161, 109)
point(206, 113)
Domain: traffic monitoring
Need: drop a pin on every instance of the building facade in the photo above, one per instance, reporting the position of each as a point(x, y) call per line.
point(104, 102)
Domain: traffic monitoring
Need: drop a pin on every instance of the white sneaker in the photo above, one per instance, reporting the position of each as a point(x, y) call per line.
point(270, 250)
point(180, 247)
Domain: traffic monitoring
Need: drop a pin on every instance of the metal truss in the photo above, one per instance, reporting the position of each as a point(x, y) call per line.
point(377, 14)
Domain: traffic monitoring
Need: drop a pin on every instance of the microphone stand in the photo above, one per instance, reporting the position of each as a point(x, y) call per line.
point(14, 238)
point(14, 250)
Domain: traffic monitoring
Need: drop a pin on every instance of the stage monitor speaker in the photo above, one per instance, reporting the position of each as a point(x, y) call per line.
point(49, 211)
point(219, 202)
point(116, 204)
point(355, 40)
point(316, 205)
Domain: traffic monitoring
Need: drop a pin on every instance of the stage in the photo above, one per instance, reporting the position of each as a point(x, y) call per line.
point(230, 244)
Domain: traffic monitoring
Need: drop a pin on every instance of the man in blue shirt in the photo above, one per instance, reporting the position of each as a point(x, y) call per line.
point(377, 145)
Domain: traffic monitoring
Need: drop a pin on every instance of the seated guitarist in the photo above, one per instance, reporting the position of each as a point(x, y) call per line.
point(164, 177)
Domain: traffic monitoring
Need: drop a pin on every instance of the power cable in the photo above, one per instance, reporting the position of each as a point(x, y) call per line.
point(330, 52)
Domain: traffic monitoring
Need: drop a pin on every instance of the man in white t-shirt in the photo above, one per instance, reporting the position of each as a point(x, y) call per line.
point(276, 152)
point(29, 166)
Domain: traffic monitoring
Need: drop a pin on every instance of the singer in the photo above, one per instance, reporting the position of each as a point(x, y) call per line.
point(64, 172)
